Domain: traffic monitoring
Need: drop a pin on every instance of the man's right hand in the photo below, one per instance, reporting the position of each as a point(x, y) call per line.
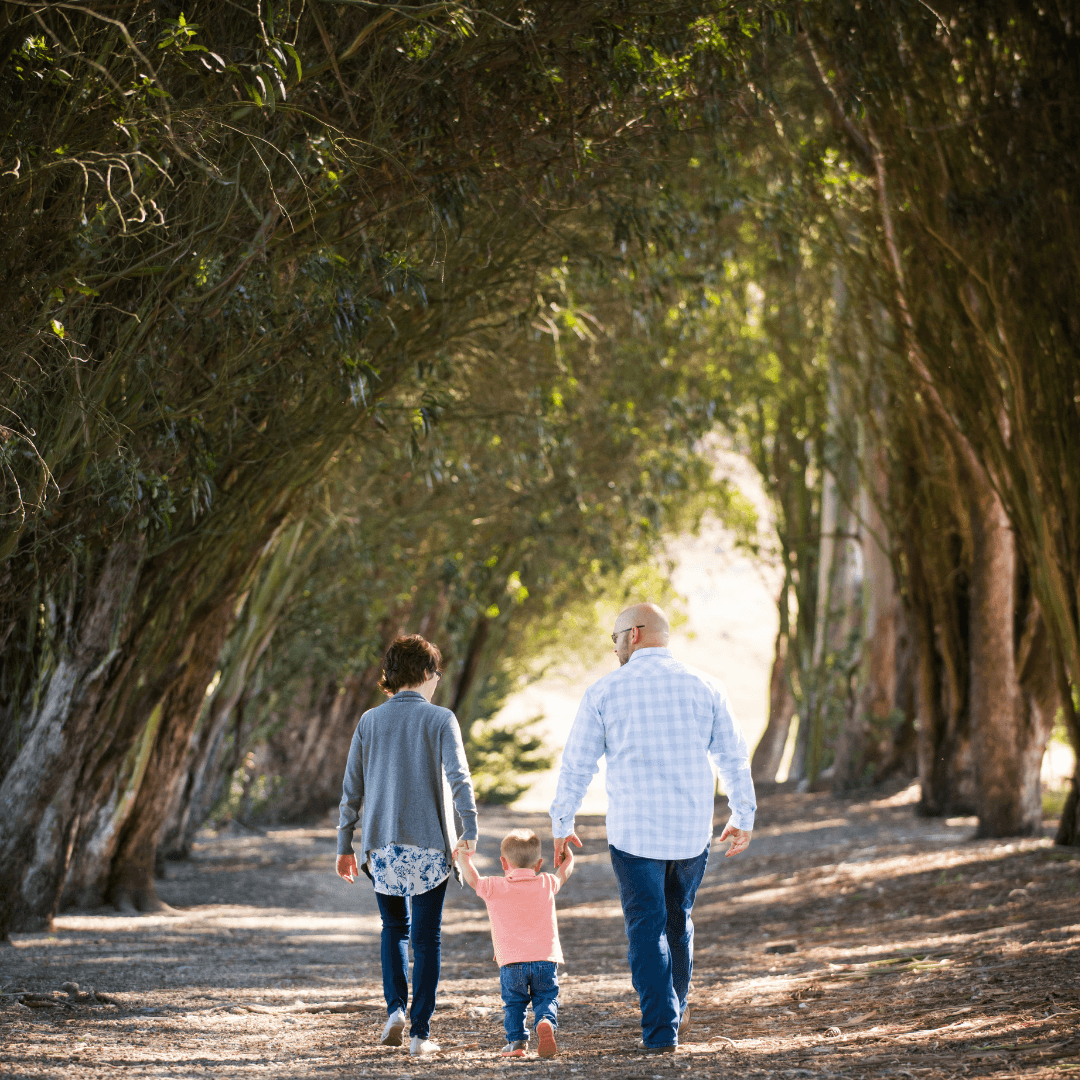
point(346, 868)
point(740, 840)
point(560, 847)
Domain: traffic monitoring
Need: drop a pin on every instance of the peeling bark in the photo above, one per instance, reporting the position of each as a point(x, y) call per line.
point(131, 878)
point(95, 844)
point(39, 789)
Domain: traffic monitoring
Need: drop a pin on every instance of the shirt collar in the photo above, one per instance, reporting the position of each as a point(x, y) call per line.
point(653, 650)
point(520, 873)
point(407, 695)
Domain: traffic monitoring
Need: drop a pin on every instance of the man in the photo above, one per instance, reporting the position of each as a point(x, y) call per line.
point(663, 727)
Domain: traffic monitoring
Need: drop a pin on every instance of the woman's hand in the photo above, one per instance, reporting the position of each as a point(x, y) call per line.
point(463, 845)
point(346, 868)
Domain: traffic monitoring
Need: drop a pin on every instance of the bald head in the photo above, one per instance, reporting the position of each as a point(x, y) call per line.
point(641, 626)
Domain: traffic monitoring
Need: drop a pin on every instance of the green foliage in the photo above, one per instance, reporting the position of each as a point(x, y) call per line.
point(238, 247)
point(498, 756)
point(1053, 800)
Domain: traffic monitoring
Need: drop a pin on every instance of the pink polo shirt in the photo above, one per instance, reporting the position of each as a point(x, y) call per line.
point(521, 907)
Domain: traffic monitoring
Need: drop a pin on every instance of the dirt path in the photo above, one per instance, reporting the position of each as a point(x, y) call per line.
point(853, 939)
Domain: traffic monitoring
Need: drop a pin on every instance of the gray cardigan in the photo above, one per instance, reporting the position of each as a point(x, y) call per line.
point(405, 761)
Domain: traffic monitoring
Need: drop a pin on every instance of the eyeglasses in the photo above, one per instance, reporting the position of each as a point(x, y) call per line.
point(615, 636)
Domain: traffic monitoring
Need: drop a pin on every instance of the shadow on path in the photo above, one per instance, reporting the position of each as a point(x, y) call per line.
point(852, 939)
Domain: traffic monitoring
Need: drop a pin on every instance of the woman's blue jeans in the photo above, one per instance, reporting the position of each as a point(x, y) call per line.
point(418, 918)
point(657, 897)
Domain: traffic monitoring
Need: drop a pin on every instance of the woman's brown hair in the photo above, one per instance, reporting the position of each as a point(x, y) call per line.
point(410, 661)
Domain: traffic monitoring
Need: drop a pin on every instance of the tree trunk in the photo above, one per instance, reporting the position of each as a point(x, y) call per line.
point(305, 760)
point(469, 667)
point(994, 701)
point(868, 738)
point(131, 878)
point(938, 621)
point(769, 753)
point(1038, 701)
point(237, 679)
point(39, 789)
point(200, 782)
point(86, 884)
point(1068, 833)
point(147, 617)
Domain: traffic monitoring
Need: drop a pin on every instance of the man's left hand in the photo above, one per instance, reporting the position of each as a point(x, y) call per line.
point(740, 840)
point(562, 848)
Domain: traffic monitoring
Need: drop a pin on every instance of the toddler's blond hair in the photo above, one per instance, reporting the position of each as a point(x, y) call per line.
point(520, 848)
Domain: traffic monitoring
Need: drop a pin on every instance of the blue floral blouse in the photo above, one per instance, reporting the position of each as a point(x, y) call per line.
point(407, 870)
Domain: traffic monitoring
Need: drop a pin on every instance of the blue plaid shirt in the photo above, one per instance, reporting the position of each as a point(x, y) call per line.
point(664, 727)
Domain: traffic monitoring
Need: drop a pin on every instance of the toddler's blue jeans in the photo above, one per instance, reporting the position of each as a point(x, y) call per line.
point(536, 981)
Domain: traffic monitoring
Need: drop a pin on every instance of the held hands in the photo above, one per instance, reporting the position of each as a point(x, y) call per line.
point(463, 847)
point(346, 868)
point(740, 840)
point(462, 855)
point(562, 848)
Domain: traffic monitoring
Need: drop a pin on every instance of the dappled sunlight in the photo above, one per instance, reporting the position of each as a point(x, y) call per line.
point(837, 946)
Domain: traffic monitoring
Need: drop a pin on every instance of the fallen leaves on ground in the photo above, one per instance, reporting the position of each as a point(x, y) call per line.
point(852, 939)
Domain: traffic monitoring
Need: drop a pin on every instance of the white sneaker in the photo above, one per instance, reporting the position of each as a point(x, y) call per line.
point(391, 1034)
point(419, 1047)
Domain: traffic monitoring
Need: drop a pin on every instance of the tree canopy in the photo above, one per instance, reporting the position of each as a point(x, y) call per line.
point(326, 321)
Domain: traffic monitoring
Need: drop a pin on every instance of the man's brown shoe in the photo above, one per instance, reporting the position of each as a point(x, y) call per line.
point(643, 1049)
point(684, 1025)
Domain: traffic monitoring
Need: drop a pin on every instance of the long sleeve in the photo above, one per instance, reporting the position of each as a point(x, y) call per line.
point(729, 754)
point(457, 772)
point(352, 795)
point(581, 756)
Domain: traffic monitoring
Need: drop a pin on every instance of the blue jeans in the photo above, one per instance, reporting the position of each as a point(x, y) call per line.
point(536, 981)
point(419, 918)
point(657, 896)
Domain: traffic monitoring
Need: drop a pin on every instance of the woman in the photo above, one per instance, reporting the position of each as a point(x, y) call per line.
point(402, 755)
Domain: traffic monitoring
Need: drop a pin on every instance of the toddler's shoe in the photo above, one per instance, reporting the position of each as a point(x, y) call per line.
point(391, 1034)
point(545, 1035)
point(422, 1047)
point(516, 1048)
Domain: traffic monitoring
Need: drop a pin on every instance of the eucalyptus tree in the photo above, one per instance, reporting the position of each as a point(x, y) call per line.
point(224, 242)
point(546, 484)
point(964, 120)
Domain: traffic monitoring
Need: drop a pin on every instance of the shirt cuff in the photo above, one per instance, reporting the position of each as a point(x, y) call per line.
point(344, 842)
point(744, 821)
point(562, 826)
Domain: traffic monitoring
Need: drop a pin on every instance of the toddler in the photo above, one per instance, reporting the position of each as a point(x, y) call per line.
point(521, 906)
